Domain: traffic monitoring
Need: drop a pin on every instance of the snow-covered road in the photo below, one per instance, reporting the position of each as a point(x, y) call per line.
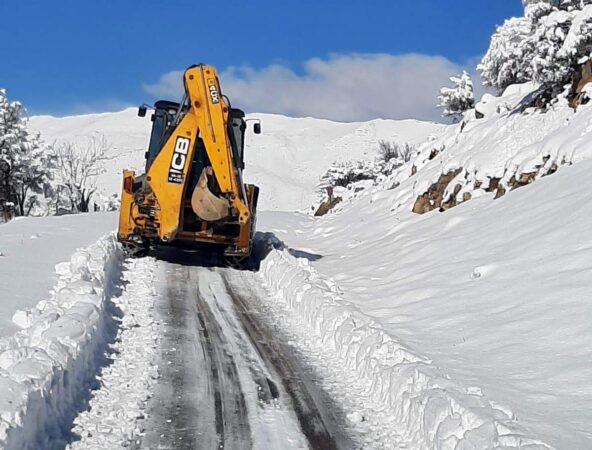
point(228, 379)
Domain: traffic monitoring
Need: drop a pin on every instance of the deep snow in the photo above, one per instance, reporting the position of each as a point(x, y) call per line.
point(31, 247)
point(288, 162)
point(47, 368)
point(490, 298)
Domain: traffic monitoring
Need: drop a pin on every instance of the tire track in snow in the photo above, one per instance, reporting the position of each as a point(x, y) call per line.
point(319, 428)
point(199, 401)
point(230, 409)
point(222, 384)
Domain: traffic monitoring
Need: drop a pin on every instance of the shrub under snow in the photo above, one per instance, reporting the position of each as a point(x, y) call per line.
point(345, 179)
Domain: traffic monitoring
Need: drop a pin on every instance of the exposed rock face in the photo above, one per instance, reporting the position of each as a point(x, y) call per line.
point(432, 199)
point(451, 202)
point(582, 77)
point(327, 206)
point(522, 180)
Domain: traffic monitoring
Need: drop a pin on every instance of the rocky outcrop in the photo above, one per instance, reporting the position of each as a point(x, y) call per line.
point(435, 197)
point(327, 206)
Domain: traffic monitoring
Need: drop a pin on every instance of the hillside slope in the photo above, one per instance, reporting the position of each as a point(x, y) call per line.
point(485, 305)
point(286, 160)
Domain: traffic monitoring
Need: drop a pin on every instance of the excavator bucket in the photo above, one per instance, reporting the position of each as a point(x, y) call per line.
point(206, 205)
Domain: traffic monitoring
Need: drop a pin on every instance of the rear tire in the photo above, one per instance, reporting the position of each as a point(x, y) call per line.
point(238, 262)
point(137, 250)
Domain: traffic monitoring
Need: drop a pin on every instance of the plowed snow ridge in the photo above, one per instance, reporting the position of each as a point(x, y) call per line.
point(117, 408)
point(395, 392)
point(46, 369)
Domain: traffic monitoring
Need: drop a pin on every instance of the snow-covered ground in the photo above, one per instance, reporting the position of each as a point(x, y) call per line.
point(29, 250)
point(48, 367)
point(468, 328)
point(42, 287)
point(471, 325)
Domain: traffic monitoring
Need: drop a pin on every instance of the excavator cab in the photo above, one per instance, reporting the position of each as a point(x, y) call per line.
point(193, 189)
point(164, 113)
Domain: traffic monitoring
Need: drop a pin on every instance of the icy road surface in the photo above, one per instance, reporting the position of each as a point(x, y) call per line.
point(227, 378)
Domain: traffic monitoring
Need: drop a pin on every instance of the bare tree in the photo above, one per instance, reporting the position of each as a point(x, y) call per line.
point(78, 169)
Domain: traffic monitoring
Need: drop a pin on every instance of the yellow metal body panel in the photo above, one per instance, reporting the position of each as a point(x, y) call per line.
point(169, 196)
point(126, 221)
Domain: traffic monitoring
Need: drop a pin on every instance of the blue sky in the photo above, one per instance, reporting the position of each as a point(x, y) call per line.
point(65, 57)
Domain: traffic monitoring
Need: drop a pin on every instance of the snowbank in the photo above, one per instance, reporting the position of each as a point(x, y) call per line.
point(114, 418)
point(46, 368)
point(422, 403)
point(30, 248)
point(512, 146)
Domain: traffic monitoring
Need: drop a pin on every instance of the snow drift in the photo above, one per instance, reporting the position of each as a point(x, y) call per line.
point(30, 247)
point(46, 369)
point(422, 403)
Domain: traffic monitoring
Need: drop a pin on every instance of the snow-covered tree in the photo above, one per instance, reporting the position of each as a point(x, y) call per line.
point(505, 62)
point(25, 163)
point(77, 173)
point(547, 45)
point(459, 98)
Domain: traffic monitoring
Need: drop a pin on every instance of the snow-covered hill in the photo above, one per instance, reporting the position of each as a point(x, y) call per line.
point(286, 160)
point(472, 325)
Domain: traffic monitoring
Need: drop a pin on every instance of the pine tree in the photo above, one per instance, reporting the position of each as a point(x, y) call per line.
point(505, 62)
point(458, 99)
point(25, 163)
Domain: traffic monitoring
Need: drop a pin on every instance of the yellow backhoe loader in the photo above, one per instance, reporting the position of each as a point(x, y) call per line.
point(193, 190)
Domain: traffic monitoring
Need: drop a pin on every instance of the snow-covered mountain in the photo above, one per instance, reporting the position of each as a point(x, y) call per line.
point(286, 160)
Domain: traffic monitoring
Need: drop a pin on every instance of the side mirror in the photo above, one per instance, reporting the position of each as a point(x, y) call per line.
point(142, 111)
point(257, 128)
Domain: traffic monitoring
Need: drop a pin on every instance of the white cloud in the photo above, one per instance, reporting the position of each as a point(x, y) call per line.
point(341, 87)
